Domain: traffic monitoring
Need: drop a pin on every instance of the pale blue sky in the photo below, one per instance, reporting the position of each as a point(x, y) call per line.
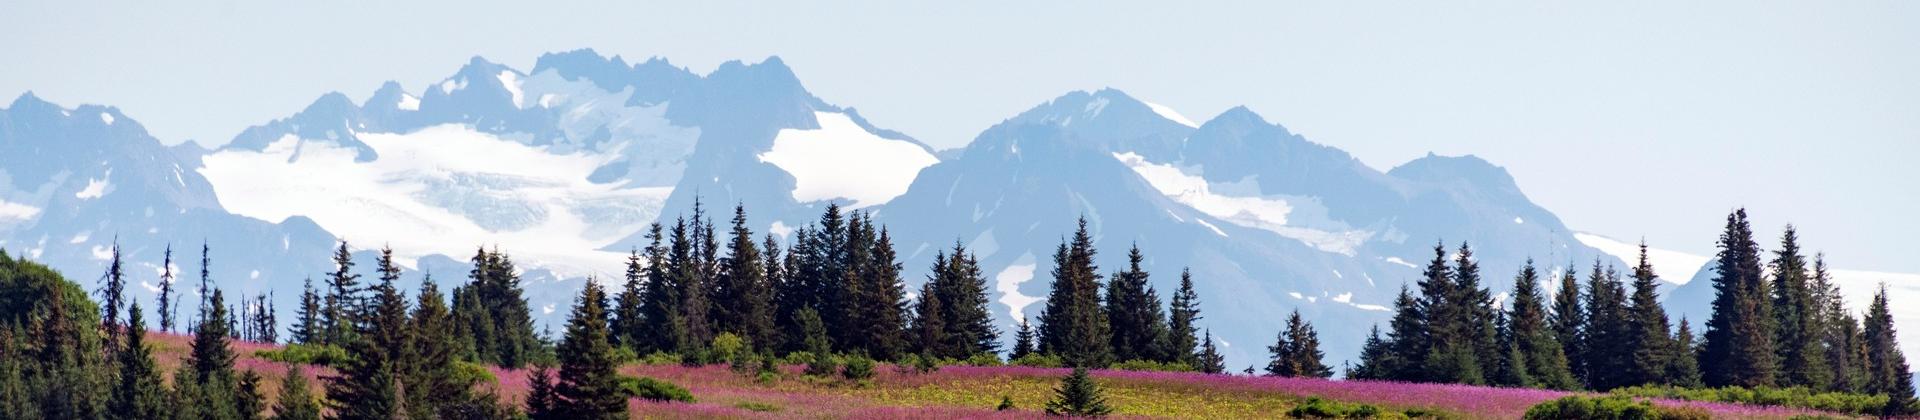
point(1627, 119)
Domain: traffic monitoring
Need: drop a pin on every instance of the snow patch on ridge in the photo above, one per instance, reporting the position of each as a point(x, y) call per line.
point(95, 187)
point(1265, 213)
point(1170, 114)
point(819, 161)
point(1008, 281)
point(1672, 266)
point(441, 190)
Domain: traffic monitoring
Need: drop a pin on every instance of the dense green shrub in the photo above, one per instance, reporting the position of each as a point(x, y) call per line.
point(858, 368)
point(1149, 365)
point(984, 359)
point(1039, 360)
point(654, 389)
point(311, 354)
point(1316, 408)
point(1610, 408)
point(1797, 397)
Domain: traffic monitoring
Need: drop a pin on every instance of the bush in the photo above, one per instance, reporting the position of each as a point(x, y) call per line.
point(859, 368)
point(727, 346)
point(472, 373)
point(311, 354)
point(1609, 408)
point(659, 358)
point(1149, 365)
point(1796, 397)
point(823, 365)
point(624, 355)
point(1039, 360)
point(758, 406)
point(654, 389)
point(1316, 408)
point(984, 359)
point(797, 358)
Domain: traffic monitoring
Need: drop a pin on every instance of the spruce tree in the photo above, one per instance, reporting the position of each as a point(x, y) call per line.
point(1533, 337)
point(342, 300)
point(138, 394)
point(1566, 320)
point(167, 300)
point(1078, 396)
point(1406, 342)
point(1181, 319)
point(370, 385)
point(1475, 301)
point(1452, 353)
point(1073, 325)
point(307, 328)
point(626, 324)
point(435, 387)
point(1685, 370)
point(881, 301)
point(1798, 336)
point(211, 379)
point(1887, 369)
point(660, 325)
point(1138, 326)
point(1376, 358)
point(1649, 345)
point(1840, 331)
point(248, 402)
point(1022, 342)
point(492, 309)
point(1297, 351)
point(844, 309)
point(741, 296)
point(1739, 347)
point(1608, 330)
point(966, 326)
point(692, 328)
point(1510, 365)
point(113, 294)
point(543, 402)
point(296, 400)
point(928, 329)
point(774, 285)
point(588, 386)
point(1210, 361)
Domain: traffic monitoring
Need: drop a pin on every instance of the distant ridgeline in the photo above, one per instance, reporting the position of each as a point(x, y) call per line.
point(700, 295)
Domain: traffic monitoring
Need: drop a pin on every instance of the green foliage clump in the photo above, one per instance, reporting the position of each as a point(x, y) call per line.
point(1797, 397)
point(984, 359)
point(654, 389)
point(1039, 360)
point(1316, 408)
point(858, 368)
point(1078, 396)
point(823, 364)
point(758, 406)
point(1006, 403)
point(1149, 365)
point(1610, 407)
point(307, 354)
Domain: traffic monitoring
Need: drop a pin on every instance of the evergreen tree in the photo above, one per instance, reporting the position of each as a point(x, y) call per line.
point(844, 308)
point(342, 300)
point(628, 325)
point(1798, 336)
point(265, 328)
point(370, 384)
point(167, 300)
point(492, 309)
point(1078, 396)
point(775, 285)
point(1510, 365)
point(1139, 328)
point(1649, 345)
point(1684, 371)
point(692, 330)
point(113, 294)
point(965, 326)
point(1480, 326)
point(1452, 353)
point(307, 328)
point(1608, 331)
point(248, 402)
point(1533, 338)
point(660, 325)
point(1022, 342)
point(139, 393)
point(543, 403)
point(742, 297)
point(1887, 369)
point(1739, 346)
point(1210, 361)
point(1185, 311)
point(211, 382)
point(1407, 338)
point(1566, 320)
point(296, 400)
point(588, 386)
point(928, 330)
point(881, 301)
point(1073, 325)
point(435, 387)
point(1376, 358)
point(1840, 331)
point(1297, 352)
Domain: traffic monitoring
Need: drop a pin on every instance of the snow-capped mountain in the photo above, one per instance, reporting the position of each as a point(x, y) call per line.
point(564, 165)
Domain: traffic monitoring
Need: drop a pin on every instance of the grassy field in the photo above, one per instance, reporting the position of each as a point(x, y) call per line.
point(974, 392)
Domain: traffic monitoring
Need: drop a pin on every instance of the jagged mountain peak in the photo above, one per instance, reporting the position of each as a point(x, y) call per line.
point(1465, 168)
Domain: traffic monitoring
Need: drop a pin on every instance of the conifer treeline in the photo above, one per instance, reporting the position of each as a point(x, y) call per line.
point(1784, 329)
point(838, 290)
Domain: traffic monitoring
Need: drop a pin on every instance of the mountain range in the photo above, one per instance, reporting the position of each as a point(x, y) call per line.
point(564, 165)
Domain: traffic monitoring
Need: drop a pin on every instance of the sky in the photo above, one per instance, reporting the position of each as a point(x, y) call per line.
point(1630, 119)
